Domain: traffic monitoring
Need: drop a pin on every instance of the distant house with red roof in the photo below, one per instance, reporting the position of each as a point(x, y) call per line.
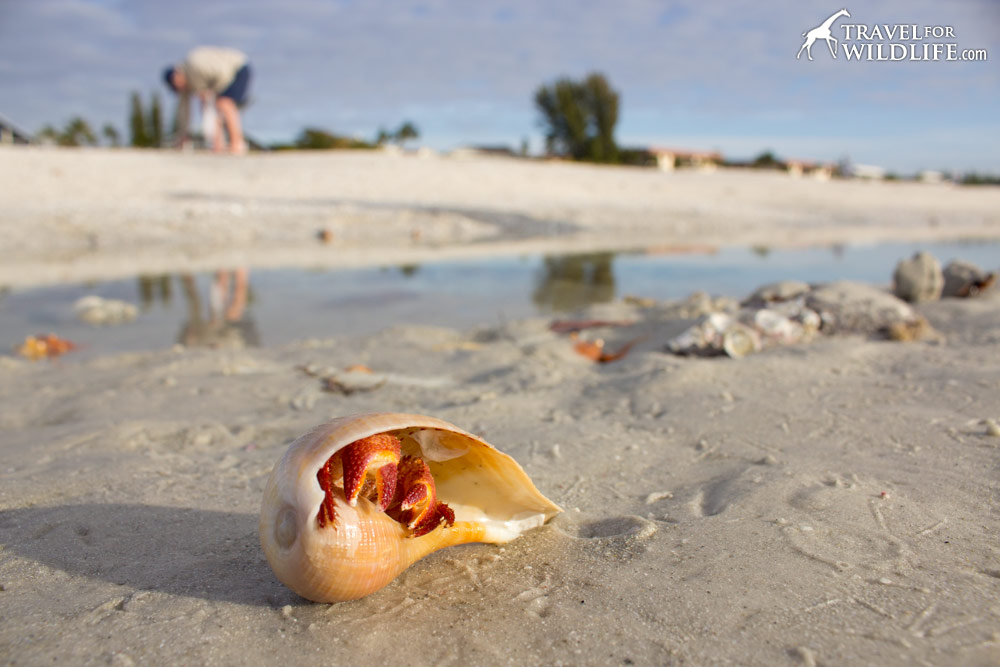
point(668, 159)
point(821, 171)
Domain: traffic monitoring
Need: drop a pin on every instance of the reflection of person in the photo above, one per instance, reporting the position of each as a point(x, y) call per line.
point(228, 323)
point(213, 71)
point(571, 282)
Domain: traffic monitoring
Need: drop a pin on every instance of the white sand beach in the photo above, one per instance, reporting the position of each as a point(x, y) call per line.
point(826, 503)
point(82, 214)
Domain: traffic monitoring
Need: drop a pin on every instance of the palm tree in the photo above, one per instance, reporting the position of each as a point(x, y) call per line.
point(111, 135)
point(406, 132)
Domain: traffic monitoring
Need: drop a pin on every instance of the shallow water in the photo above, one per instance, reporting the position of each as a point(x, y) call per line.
point(289, 304)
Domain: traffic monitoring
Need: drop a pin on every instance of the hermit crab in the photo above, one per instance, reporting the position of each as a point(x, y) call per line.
point(357, 500)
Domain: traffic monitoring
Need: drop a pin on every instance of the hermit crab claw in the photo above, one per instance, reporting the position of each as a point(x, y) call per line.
point(357, 500)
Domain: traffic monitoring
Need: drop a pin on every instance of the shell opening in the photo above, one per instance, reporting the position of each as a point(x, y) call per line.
point(406, 494)
point(473, 483)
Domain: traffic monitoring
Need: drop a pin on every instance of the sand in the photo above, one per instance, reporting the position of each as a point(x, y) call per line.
point(89, 214)
point(829, 503)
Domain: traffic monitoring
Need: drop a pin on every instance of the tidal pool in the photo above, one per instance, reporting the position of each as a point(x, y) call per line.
point(271, 307)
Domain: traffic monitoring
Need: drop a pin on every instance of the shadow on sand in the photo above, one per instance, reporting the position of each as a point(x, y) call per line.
point(182, 551)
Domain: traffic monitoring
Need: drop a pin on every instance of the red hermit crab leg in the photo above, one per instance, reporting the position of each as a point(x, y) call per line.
point(418, 505)
point(370, 468)
point(327, 513)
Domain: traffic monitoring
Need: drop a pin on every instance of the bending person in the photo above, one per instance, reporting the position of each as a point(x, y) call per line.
point(208, 71)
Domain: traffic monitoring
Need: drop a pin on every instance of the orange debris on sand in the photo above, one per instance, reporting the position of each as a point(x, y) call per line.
point(45, 347)
point(594, 350)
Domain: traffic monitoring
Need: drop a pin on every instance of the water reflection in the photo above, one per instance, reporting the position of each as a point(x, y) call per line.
point(228, 322)
point(571, 282)
point(153, 289)
point(229, 308)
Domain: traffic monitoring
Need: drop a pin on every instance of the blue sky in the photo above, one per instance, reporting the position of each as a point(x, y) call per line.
point(712, 75)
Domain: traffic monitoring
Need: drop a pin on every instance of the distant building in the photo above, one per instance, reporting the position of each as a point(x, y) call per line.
point(668, 159)
point(12, 134)
point(868, 172)
point(804, 168)
point(928, 176)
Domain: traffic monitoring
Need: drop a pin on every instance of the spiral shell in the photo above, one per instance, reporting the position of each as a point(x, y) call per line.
point(492, 499)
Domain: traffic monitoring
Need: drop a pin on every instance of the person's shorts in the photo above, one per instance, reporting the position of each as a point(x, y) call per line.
point(237, 90)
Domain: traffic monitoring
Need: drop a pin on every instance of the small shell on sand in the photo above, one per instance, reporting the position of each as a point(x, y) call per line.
point(99, 311)
point(740, 340)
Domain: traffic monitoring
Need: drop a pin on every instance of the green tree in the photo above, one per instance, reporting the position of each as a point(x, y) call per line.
point(382, 136)
point(563, 118)
point(78, 133)
point(767, 160)
point(315, 138)
point(579, 118)
point(406, 132)
point(137, 123)
point(48, 135)
point(155, 130)
point(603, 102)
point(111, 135)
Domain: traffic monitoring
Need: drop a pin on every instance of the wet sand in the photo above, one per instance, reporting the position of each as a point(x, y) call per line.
point(829, 503)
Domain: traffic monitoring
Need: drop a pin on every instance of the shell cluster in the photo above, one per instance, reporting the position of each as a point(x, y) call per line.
point(357, 500)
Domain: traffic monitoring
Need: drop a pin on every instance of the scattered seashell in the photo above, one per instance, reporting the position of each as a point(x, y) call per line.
point(97, 310)
point(357, 500)
point(962, 279)
point(786, 290)
point(849, 307)
point(810, 321)
point(45, 347)
point(906, 332)
point(657, 496)
point(740, 340)
point(776, 328)
point(919, 278)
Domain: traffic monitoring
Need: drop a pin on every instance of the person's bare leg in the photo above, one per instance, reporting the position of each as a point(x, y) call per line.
point(241, 283)
point(219, 139)
point(231, 117)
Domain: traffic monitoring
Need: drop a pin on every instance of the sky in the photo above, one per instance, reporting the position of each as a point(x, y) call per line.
point(719, 75)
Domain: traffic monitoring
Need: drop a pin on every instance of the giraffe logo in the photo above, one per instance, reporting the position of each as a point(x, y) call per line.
point(822, 31)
